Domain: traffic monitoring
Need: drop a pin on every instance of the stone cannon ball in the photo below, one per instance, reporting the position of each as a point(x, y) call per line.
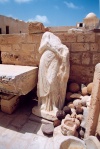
point(60, 114)
point(84, 91)
point(89, 88)
point(77, 103)
point(74, 87)
point(67, 110)
point(71, 105)
point(79, 110)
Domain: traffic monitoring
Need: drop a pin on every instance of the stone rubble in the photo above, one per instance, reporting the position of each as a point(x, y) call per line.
point(76, 110)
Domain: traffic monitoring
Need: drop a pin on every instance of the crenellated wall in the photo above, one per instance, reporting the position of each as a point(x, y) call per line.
point(22, 49)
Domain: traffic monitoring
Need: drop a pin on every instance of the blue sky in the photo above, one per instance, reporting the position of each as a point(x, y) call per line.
point(50, 12)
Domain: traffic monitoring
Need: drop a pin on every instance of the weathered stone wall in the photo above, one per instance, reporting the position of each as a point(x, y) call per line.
point(22, 49)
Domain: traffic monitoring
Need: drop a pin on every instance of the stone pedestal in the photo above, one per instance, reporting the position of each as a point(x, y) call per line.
point(49, 115)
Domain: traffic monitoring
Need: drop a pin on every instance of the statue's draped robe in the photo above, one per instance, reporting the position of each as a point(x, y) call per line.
point(53, 72)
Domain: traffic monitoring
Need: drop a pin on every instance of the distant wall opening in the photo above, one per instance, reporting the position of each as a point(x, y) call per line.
point(0, 30)
point(7, 29)
point(81, 25)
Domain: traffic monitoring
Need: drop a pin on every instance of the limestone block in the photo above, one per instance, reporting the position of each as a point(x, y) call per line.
point(36, 27)
point(98, 38)
point(5, 48)
point(3, 40)
point(20, 58)
point(28, 47)
point(16, 47)
point(75, 58)
point(62, 36)
point(93, 46)
point(67, 37)
point(90, 37)
point(86, 58)
point(29, 38)
point(70, 37)
point(8, 106)
point(96, 58)
point(36, 38)
point(80, 38)
point(15, 38)
point(76, 47)
point(16, 79)
point(81, 74)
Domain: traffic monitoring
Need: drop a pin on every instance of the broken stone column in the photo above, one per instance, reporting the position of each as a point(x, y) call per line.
point(94, 109)
point(36, 27)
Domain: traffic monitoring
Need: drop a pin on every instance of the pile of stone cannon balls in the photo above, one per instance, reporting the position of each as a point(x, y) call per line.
point(72, 117)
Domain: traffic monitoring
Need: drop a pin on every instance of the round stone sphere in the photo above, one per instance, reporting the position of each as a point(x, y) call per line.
point(79, 110)
point(56, 123)
point(89, 88)
point(74, 87)
point(71, 105)
point(77, 103)
point(67, 110)
point(60, 114)
point(84, 91)
point(48, 129)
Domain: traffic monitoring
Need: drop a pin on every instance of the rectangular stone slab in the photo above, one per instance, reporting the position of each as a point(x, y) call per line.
point(17, 80)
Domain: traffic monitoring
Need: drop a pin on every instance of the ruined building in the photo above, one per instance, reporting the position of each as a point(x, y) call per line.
point(9, 25)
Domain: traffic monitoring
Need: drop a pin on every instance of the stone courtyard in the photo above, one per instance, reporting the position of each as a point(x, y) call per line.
point(21, 130)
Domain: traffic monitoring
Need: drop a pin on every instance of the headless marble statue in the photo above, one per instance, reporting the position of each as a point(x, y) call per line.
point(53, 75)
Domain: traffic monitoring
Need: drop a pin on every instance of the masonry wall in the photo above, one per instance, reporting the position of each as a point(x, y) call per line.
point(22, 49)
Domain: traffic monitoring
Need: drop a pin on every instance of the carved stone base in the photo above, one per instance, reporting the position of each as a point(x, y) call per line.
point(44, 114)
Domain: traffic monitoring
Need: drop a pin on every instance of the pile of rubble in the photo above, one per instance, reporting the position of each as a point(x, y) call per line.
point(72, 118)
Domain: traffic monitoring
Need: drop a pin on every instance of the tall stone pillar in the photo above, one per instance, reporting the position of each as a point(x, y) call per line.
point(94, 110)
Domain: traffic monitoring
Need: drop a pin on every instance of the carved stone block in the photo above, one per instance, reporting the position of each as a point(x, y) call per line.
point(8, 106)
point(17, 80)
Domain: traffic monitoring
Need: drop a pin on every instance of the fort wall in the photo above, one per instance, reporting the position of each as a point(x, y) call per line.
point(22, 49)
